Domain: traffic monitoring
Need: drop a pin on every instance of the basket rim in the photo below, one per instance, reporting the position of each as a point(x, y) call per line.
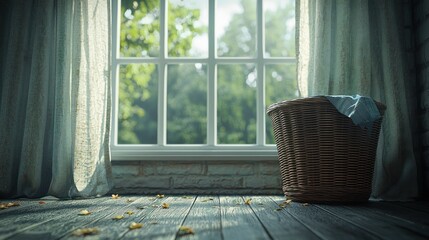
point(308, 100)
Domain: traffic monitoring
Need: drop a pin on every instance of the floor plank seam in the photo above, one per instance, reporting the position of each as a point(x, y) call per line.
point(351, 222)
point(262, 224)
point(398, 222)
point(122, 235)
point(405, 207)
point(387, 214)
point(187, 214)
point(220, 219)
point(305, 225)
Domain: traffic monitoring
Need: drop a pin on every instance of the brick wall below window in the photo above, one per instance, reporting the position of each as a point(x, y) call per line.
point(192, 177)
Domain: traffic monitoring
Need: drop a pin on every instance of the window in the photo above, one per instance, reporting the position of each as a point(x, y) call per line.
point(193, 78)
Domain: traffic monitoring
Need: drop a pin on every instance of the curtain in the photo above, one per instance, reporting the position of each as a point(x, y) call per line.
point(356, 47)
point(55, 98)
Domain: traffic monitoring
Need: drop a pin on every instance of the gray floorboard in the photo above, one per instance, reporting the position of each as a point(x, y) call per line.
point(213, 217)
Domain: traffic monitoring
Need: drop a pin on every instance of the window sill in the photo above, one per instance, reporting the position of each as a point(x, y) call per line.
point(192, 153)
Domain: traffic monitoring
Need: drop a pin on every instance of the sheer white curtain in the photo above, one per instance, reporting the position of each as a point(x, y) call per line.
point(55, 98)
point(356, 47)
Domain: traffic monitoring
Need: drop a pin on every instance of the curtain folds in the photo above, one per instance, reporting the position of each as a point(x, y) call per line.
point(55, 99)
point(355, 47)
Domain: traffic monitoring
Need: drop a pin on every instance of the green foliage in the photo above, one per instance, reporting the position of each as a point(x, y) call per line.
point(187, 83)
point(138, 87)
point(187, 104)
point(236, 105)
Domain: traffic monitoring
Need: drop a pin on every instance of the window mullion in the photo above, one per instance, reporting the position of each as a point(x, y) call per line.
point(162, 87)
point(211, 86)
point(260, 112)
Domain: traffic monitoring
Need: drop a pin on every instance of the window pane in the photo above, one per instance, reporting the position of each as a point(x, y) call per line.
point(140, 27)
point(236, 28)
point(187, 28)
point(236, 106)
point(279, 28)
point(138, 103)
point(280, 84)
point(187, 104)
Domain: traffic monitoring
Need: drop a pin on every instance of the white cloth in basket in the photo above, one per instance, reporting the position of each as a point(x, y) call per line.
point(362, 110)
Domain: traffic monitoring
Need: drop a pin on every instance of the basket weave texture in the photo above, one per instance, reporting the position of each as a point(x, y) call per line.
point(323, 155)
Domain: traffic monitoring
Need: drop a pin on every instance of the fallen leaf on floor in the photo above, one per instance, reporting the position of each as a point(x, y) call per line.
point(115, 196)
point(160, 196)
point(305, 204)
point(118, 217)
point(207, 199)
point(42, 202)
point(129, 212)
point(135, 225)
point(84, 212)
point(165, 205)
point(129, 200)
point(13, 204)
point(3, 206)
point(284, 204)
point(184, 230)
point(248, 201)
point(85, 231)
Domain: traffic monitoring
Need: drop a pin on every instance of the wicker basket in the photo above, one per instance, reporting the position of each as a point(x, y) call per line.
point(323, 156)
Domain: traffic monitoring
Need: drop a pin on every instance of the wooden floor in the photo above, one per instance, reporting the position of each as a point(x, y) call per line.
point(211, 217)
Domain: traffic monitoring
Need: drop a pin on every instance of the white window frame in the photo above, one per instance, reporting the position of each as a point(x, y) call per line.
point(211, 150)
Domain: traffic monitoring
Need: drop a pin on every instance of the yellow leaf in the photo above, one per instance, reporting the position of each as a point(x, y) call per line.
point(247, 202)
point(115, 196)
point(84, 212)
point(285, 203)
point(160, 196)
point(85, 231)
point(129, 212)
point(3, 206)
point(207, 199)
point(165, 205)
point(118, 217)
point(184, 230)
point(135, 225)
point(13, 204)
